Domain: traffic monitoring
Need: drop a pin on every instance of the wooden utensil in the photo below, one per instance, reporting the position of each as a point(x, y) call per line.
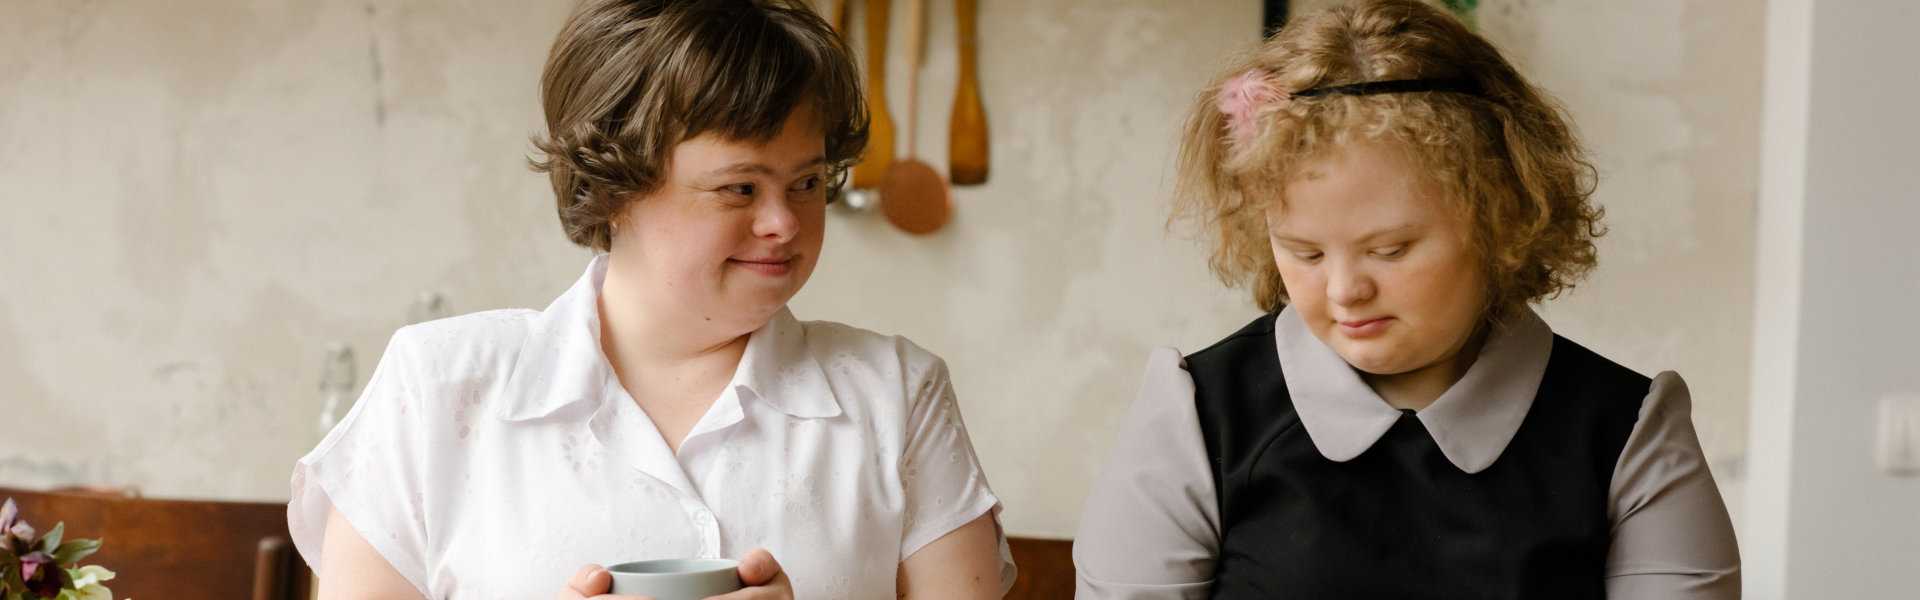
point(912, 195)
point(967, 133)
point(868, 173)
point(840, 21)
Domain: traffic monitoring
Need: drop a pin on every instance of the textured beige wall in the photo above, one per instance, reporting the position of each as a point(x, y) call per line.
point(196, 197)
point(1667, 95)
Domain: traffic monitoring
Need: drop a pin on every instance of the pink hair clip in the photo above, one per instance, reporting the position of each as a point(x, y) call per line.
point(1246, 98)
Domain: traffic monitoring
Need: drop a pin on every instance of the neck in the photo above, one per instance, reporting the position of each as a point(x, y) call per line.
point(661, 359)
point(1419, 388)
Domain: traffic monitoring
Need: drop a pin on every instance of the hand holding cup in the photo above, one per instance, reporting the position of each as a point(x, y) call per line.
point(683, 579)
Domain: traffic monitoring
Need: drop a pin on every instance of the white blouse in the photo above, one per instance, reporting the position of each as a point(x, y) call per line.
point(1151, 528)
point(492, 454)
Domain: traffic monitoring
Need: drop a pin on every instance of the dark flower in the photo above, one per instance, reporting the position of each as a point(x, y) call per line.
point(43, 576)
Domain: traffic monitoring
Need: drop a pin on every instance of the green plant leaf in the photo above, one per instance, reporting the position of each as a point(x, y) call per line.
point(10, 580)
point(52, 539)
point(71, 552)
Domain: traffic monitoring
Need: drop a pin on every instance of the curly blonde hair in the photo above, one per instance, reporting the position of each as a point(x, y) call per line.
point(627, 80)
point(1505, 160)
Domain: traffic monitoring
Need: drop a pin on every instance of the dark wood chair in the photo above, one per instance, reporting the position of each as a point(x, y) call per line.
point(177, 548)
point(1046, 569)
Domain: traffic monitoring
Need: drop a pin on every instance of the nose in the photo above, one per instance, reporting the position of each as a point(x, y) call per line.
point(1349, 285)
point(773, 218)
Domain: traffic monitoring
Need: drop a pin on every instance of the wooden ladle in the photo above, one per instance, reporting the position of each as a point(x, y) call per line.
point(868, 173)
point(840, 20)
point(912, 195)
point(967, 133)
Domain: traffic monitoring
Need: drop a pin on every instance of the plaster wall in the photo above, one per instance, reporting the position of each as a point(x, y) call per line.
point(197, 197)
point(1839, 222)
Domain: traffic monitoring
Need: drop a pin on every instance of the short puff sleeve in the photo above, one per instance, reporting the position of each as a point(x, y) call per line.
point(944, 486)
point(1151, 527)
point(372, 467)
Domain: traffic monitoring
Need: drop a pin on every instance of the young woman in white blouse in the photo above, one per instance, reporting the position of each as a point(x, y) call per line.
point(1401, 424)
point(667, 405)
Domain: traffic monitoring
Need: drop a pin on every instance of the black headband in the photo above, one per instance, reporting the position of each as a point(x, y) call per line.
point(1455, 85)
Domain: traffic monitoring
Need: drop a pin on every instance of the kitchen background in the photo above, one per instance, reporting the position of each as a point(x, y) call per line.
point(214, 213)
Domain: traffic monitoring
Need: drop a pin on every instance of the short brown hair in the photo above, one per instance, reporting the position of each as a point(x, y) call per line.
point(627, 80)
point(1505, 159)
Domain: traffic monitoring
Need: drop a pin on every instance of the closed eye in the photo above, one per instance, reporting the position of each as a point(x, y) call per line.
point(1307, 257)
point(1394, 251)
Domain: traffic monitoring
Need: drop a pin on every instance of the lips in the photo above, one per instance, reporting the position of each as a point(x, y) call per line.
point(769, 266)
point(1365, 328)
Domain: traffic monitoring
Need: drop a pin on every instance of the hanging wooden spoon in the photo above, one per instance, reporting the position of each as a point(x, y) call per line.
point(912, 195)
point(868, 173)
point(840, 21)
point(967, 133)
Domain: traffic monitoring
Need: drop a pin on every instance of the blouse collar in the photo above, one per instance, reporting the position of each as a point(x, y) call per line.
point(1471, 423)
point(561, 366)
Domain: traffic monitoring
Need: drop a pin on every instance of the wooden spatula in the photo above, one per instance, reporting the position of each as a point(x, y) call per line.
point(913, 196)
point(967, 135)
point(868, 173)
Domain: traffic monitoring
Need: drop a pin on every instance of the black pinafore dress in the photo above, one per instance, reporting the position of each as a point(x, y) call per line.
point(1400, 520)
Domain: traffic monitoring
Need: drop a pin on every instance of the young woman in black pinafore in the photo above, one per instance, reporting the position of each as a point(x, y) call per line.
point(1401, 424)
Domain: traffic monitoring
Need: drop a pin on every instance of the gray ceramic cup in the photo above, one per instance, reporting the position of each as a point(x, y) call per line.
point(676, 578)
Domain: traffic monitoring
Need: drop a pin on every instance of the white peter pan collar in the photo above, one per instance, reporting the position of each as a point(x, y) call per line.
point(561, 365)
point(1471, 423)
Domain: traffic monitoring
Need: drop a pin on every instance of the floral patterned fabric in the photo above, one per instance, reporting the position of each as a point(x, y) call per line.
point(492, 454)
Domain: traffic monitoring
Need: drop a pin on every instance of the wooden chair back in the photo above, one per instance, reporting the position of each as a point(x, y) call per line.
point(177, 548)
point(1046, 569)
point(205, 549)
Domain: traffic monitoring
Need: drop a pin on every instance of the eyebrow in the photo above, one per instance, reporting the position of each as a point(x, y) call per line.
point(1370, 236)
point(750, 168)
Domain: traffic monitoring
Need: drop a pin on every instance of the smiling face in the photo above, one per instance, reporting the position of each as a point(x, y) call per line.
point(1376, 265)
point(732, 232)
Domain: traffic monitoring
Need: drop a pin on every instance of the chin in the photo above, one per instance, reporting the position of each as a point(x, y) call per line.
point(761, 310)
point(1375, 363)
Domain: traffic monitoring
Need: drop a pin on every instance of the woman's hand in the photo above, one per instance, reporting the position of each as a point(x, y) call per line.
point(763, 577)
point(592, 581)
point(758, 570)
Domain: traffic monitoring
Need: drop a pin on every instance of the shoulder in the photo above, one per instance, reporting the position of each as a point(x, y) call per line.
point(1167, 389)
point(1668, 403)
point(471, 340)
point(830, 342)
point(452, 364)
point(1246, 352)
point(1570, 354)
point(1594, 371)
point(1246, 338)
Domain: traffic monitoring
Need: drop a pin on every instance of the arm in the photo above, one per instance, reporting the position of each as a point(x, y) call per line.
point(951, 543)
point(355, 571)
point(1151, 527)
point(1671, 534)
point(364, 468)
point(964, 563)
